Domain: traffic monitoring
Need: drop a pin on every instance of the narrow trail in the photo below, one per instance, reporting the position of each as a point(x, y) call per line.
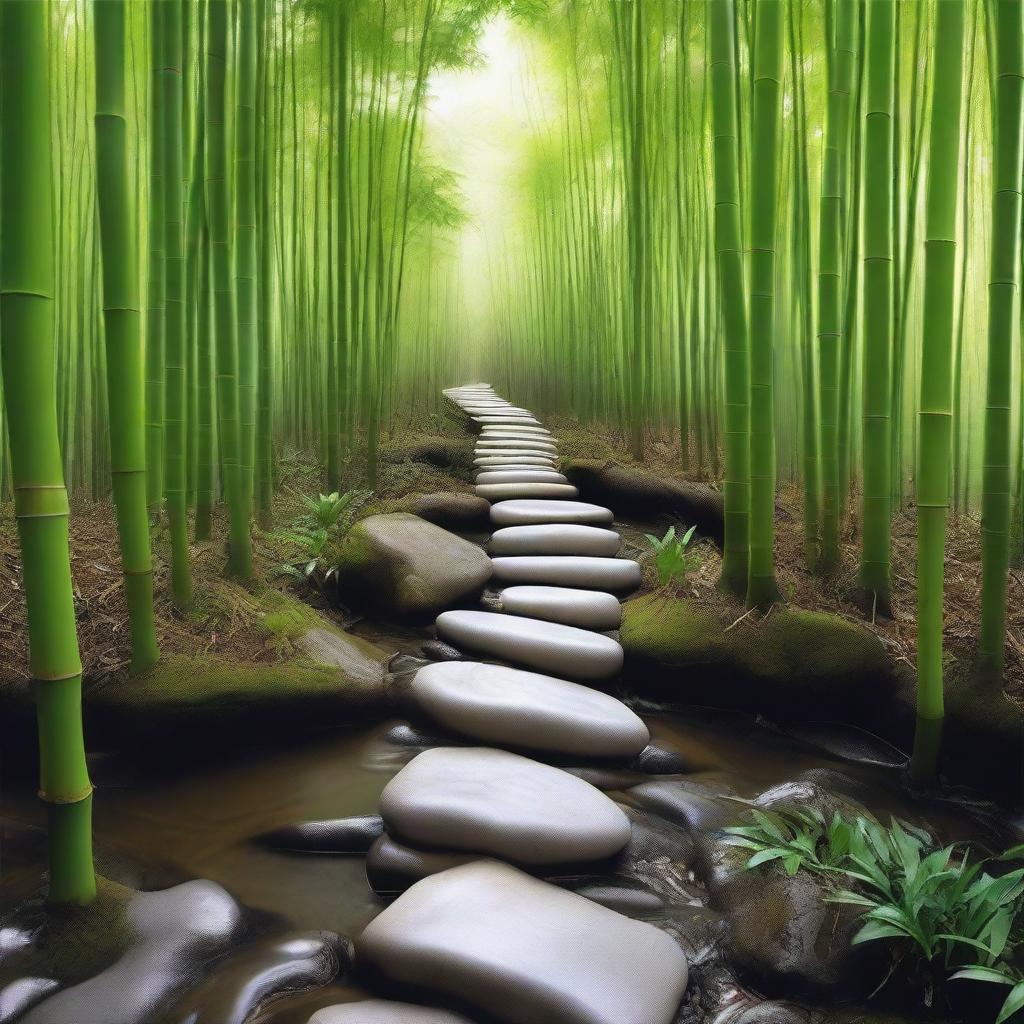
point(475, 929)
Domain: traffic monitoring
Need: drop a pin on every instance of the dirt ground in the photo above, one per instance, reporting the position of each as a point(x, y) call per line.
point(224, 619)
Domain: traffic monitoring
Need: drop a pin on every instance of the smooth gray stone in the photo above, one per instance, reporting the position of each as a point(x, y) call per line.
point(555, 539)
point(179, 929)
point(503, 492)
point(506, 456)
point(495, 430)
point(515, 443)
point(511, 462)
point(520, 476)
point(623, 899)
point(487, 434)
point(525, 951)
point(392, 866)
point(499, 410)
point(588, 609)
point(440, 651)
point(511, 450)
point(505, 705)
point(22, 994)
point(498, 803)
point(332, 835)
point(524, 512)
point(385, 1011)
point(568, 570)
point(549, 646)
point(507, 419)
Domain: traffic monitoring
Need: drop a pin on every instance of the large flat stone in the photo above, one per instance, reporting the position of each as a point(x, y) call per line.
point(503, 492)
point(568, 571)
point(504, 705)
point(385, 1011)
point(525, 951)
point(491, 801)
point(524, 512)
point(550, 646)
point(588, 609)
point(514, 466)
point(506, 419)
point(520, 476)
point(555, 539)
point(406, 566)
point(523, 429)
point(515, 454)
point(392, 866)
point(512, 434)
point(514, 443)
point(513, 459)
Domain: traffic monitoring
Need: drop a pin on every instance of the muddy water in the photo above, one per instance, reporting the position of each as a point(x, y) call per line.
point(201, 823)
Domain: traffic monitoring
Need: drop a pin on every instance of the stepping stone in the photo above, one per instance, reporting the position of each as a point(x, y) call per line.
point(513, 453)
point(568, 570)
point(502, 804)
point(588, 609)
point(502, 492)
point(523, 951)
point(484, 462)
point(515, 435)
point(520, 476)
point(520, 430)
point(554, 539)
point(543, 446)
point(507, 419)
point(549, 471)
point(549, 646)
point(526, 513)
point(385, 1011)
point(501, 705)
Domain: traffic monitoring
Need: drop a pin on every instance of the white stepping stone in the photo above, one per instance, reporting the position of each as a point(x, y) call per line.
point(548, 469)
point(549, 646)
point(524, 951)
point(515, 435)
point(588, 609)
point(515, 428)
point(503, 492)
point(507, 453)
point(502, 410)
point(515, 442)
point(507, 419)
point(502, 705)
point(491, 801)
point(513, 460)
point(526, 512)
point(555, 539)
point(385, 1011)
point(520, 476)
point(568, 570)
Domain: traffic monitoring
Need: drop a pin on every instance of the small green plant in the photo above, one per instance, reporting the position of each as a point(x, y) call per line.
point(326, 515)
point(671, 557)
point(962, 922)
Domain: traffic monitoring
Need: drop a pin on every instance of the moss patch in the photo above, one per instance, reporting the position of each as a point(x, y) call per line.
point(788, 662)
point(71, 944)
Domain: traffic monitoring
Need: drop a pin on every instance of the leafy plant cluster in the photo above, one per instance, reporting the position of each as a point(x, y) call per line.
point(671, 556)
point(326, 517)
point(959, 919)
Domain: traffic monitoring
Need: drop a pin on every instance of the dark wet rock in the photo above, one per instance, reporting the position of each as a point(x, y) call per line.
point(747, 1011)
point(696, 804)
point(642, 495)
point(481, 799)
point(524, 951)
point(405, 735)
point(252, 977)
point(392, 866)
point(452, 511)
point(654, 760)
point(438, 650)
point(385, 1011)
point(791, 665)
point(848, 743)
point(21, 995)
point(632, 902)
point(177, 932)
point(332, 835)
point(403, 566)
point(443, 452)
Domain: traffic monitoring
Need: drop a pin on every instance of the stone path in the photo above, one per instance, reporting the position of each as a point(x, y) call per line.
point(461, 822)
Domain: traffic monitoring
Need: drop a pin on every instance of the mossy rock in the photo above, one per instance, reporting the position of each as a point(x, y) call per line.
point(634, 493)
point(790, 663)
point(444, 452)
point(403, 567)
point(459, 512)
point(183, 703)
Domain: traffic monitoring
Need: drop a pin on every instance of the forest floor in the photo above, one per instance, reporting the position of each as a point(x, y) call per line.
point(225, 618)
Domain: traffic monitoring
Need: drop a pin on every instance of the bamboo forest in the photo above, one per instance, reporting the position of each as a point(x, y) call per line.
point(511, 512)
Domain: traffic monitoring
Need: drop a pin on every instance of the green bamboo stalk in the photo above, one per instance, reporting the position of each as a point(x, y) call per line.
point(264, 414)
point(1003, 286)
point(155, 394)
point(122, 319)
point(176, 371)
point(41, 502)
point(764, 149)
point(729, 259)
point(218, 206)
point(876, 551)
point(830, 289)
point(933, 462)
